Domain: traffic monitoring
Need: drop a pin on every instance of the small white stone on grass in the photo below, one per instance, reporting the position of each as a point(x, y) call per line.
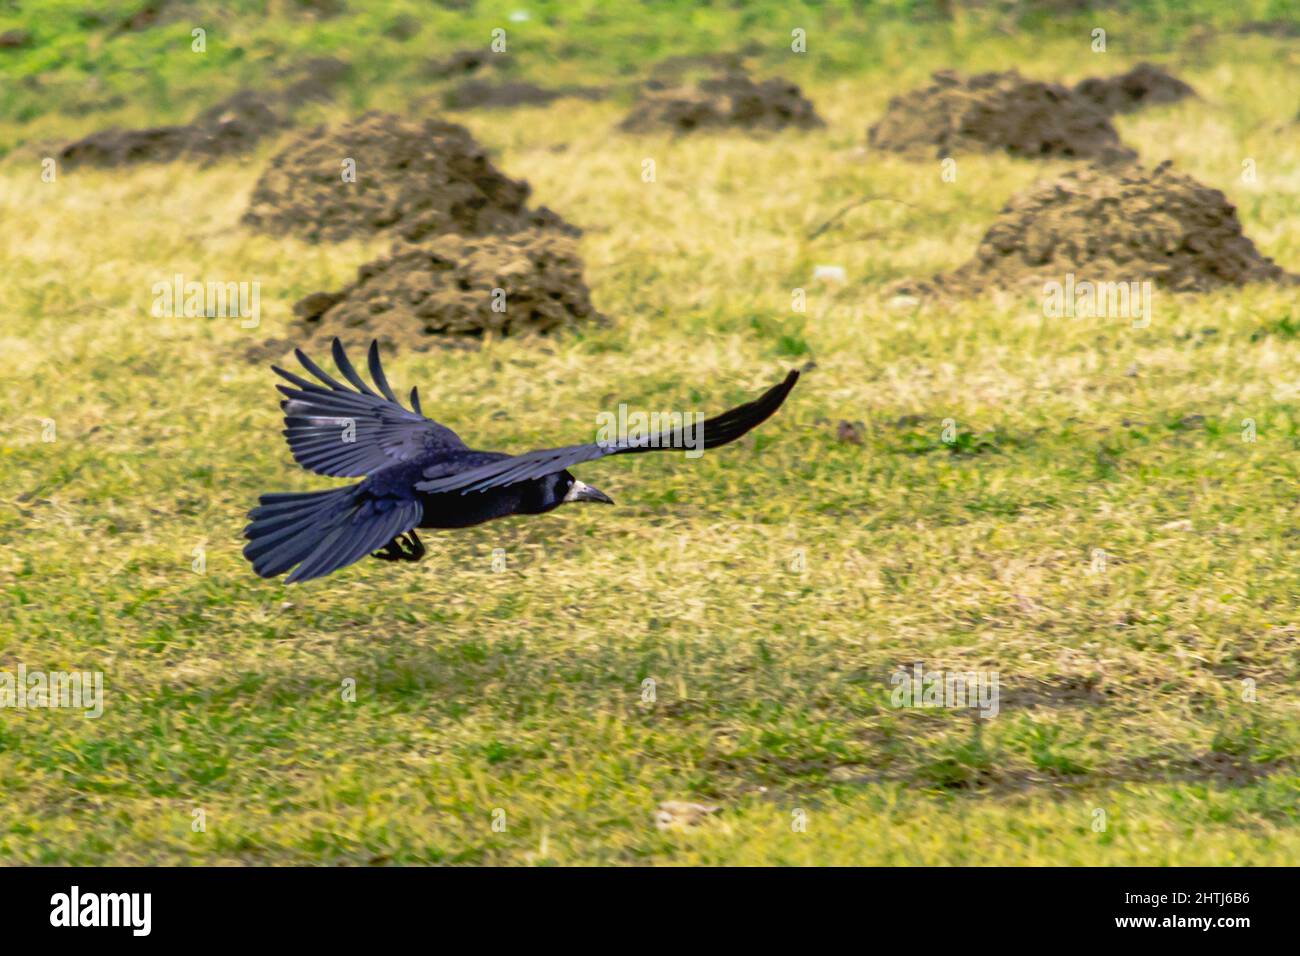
point(680, 814)
point(830, 274)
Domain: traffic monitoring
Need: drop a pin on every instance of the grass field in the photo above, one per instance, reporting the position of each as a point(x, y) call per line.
point(1149, 709)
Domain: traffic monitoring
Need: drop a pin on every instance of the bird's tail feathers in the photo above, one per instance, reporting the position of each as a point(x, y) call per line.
point(287, 528)
point(322, 531)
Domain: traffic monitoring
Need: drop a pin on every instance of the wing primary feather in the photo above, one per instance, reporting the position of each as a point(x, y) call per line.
point(319, 372)
point(377, 372)
point(345, 366)
point(415, 401)
point(302, 383)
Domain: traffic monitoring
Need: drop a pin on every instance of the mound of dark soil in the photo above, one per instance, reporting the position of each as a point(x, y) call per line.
point(529, 281)
point(1271, 28)
point(678, 66)
point(462, 63)
point(418, 179)
point(248, 107)
point(403, 27)
point(1144, 85)
point(1115, 225)
point(229, 128)
point(122, 147)
point(146, 16)
point(88, 106)
point(482, 94)
point(233, 126)
point(733, 100)
point(15, 39)
point(996, 111)
point(315, 80)
point(323, 9)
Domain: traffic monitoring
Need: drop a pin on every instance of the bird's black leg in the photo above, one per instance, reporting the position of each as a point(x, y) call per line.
point(417, 546)
point(391, 552)
point(407, 547)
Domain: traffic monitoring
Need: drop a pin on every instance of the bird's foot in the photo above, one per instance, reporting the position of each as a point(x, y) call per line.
point(407, 547)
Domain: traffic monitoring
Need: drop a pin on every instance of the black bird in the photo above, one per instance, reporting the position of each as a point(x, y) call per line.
point(420, 474)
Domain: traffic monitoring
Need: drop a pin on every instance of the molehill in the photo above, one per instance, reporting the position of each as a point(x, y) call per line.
point(418, 180)
point(1115, 225)
point(1144, 85)
point(733, 100)
point(529, 281)
point(996, 111)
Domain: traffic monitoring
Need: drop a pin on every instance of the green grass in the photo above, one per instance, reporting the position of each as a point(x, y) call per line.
point(1124, 694)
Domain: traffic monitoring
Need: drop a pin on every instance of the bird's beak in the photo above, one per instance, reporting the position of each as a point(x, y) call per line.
point(581, 491)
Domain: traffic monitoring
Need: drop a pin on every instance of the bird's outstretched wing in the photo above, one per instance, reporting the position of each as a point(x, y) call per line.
point(720, 430)
point(345, 432)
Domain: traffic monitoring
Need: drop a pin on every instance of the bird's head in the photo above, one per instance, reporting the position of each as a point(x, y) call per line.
point(575, 490)
point(549, 492)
